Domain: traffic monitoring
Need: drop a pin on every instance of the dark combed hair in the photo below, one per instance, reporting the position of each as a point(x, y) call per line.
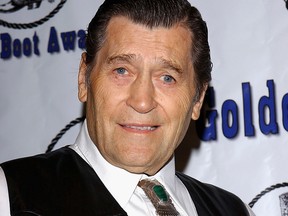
point(154, 13)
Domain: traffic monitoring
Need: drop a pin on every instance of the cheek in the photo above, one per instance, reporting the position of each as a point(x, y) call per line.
point(180, 103)
point(96, 103)
point(107, 102)
point(100, 91)
point(179, 111)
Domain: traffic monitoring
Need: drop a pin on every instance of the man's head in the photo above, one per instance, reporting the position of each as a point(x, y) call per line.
point(143, 77)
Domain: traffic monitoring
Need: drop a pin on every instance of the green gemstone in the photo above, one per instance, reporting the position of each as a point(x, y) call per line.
point(160, 192)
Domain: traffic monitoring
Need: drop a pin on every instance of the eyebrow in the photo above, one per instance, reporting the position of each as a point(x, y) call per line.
point(169, 64)
point(121, 58)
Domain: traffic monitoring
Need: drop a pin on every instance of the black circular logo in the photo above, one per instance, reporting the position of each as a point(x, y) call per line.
point(14, 9)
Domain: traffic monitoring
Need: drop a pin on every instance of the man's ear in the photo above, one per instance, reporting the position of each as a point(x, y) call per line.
point(197, 106)
point(82, 85)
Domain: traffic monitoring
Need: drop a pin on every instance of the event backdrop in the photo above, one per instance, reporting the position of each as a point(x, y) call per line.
point(240, 142)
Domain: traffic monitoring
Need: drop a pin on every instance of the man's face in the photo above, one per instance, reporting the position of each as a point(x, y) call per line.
point(140, 96)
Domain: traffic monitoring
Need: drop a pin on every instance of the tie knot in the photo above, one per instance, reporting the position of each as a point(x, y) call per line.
point(159, 197)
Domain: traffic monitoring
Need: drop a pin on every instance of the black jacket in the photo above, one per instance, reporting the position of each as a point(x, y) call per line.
point(61, 183)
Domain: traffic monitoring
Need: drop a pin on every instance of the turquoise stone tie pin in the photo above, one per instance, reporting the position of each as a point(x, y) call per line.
point(160, 192)
point(159, 197)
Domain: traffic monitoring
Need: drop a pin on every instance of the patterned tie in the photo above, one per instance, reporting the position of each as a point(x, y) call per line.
point(159, 197)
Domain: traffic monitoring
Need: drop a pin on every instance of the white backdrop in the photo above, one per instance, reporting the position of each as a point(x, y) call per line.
point(246, 143)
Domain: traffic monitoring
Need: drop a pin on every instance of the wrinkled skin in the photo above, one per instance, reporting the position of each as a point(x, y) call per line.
point(140, 95)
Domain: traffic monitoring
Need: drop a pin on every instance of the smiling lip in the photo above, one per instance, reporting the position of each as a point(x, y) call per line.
point(139, 128)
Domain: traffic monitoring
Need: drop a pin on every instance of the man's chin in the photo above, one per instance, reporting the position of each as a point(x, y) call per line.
point(142, 168)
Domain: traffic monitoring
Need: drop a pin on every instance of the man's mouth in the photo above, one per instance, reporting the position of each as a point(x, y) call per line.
point(140, 128)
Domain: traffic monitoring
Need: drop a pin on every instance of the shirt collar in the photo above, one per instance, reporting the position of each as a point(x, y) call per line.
point(120, 183)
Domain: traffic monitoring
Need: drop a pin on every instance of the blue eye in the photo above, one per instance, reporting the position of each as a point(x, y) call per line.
point(121, 71)
point(168, 79)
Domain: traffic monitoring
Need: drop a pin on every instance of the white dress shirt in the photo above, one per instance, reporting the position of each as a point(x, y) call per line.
point(122, 184)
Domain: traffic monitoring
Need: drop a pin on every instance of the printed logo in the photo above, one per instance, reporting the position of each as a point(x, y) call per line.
point(284, 204)
point(14, 12)
point(283, 198)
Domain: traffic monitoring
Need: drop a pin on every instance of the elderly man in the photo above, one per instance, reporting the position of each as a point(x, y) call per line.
point(143, 78)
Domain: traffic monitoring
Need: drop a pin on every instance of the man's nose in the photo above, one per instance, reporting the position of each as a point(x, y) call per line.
point(142, 95)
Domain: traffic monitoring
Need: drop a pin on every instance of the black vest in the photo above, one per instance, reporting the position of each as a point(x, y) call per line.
point(61, 183)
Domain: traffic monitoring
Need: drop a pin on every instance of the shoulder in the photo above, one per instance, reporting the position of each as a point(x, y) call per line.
point(4, 199)
point(201, 187)
point(43, 166)
point(211, 198)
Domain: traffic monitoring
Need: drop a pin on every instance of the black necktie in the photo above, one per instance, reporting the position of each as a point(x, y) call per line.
point(159, 197)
